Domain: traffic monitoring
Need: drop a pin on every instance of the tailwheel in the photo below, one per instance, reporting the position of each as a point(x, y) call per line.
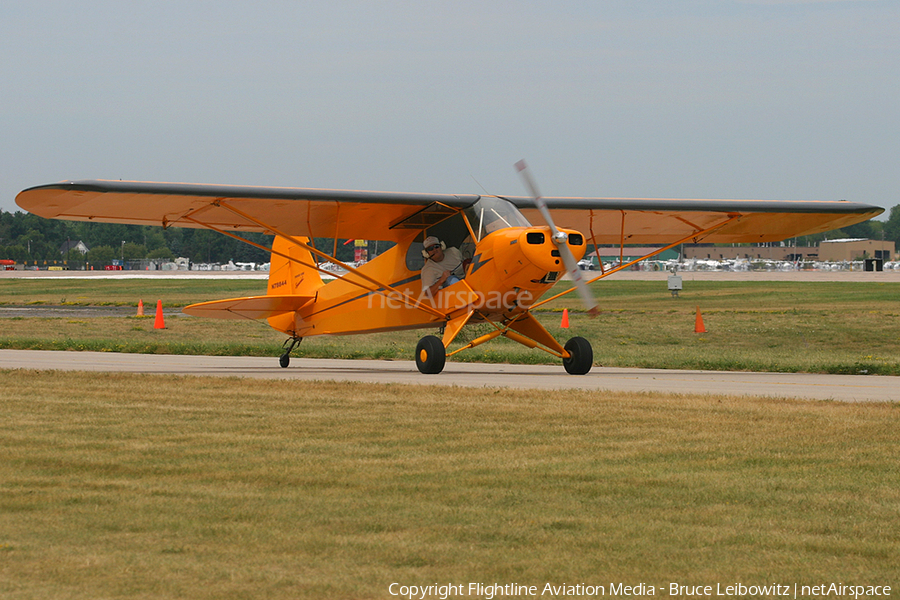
point(285, 358)
point(430, 355)
point(581, 356)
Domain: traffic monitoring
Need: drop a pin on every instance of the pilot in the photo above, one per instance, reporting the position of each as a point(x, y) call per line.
point(443, 267)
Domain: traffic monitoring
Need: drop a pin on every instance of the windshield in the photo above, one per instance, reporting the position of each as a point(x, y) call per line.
point(490, 214)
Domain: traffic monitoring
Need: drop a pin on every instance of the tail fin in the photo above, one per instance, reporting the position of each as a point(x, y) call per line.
point(291, 286)
point(289, 277)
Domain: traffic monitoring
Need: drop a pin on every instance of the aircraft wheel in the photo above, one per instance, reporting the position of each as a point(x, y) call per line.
point(430, 355)
point(582, 356)
point(288, 347)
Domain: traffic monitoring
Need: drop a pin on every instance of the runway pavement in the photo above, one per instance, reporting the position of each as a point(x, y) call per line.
point(844, 388)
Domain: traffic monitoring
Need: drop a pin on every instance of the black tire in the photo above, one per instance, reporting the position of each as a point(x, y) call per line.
point(430, 355)
point(581, 357)
point(284, 361)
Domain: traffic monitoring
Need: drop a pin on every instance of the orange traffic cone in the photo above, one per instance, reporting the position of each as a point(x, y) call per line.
point(565, 319)
point(159, 323)
point(140, 312)
point(698, 324)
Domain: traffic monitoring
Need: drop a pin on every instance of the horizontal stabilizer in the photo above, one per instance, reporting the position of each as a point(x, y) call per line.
point(253, 307)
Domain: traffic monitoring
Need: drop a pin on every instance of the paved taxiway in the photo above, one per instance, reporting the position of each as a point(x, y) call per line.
point(845, 388)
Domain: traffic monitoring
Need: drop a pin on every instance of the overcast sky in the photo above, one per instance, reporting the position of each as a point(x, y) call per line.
point(697, 98)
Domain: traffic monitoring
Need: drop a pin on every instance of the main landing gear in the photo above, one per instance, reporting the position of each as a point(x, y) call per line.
point(431, 355)
point(581, 356)
point(285, 359)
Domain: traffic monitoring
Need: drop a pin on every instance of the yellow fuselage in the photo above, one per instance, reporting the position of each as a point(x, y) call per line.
point(510, 270)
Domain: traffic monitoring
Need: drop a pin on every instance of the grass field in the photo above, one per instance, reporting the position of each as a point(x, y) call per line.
point(127, 486)
point(761, 326)
point(122, 292)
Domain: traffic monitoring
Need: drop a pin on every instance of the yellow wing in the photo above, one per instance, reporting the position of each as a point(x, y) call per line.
point(346, 214)
point(390, 215)
point(664, 220)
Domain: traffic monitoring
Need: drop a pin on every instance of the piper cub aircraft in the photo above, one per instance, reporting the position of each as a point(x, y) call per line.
point(508, 263)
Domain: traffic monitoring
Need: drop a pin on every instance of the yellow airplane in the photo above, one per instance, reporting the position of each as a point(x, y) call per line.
point(506, 264)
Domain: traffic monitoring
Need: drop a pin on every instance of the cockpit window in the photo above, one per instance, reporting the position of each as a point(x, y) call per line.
point(490, 214)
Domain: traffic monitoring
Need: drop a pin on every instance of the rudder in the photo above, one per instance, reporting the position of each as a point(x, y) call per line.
point(289, 276)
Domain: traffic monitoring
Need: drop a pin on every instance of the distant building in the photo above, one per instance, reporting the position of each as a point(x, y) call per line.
point(827, 251)
point(855, 249)
point(70, 245)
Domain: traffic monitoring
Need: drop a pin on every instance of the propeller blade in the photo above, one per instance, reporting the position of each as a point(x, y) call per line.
point(560, 239)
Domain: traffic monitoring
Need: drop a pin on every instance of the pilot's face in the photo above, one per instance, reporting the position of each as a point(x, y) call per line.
point(435, 252)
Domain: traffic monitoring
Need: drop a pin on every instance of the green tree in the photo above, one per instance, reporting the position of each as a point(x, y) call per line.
point(17, 252)
point(863, 230)
point(161, 252)
point(100, 256)
point(6, 221)
point(154, 237)
point(74, 258)
point(132, 251)
point(892, 226)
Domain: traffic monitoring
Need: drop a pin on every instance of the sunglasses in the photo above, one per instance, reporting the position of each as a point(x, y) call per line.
point(430, 248)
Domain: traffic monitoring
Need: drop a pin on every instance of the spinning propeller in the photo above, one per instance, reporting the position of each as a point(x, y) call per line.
point(559, 238)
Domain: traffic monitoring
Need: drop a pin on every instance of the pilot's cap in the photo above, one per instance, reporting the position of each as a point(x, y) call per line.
point(431, 241)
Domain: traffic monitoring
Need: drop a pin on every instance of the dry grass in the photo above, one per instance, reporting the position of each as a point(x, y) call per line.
point(132, 486)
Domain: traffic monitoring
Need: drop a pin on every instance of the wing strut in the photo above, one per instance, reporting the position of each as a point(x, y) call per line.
point(260, 246)
point(693, 236)
point(596, 247)
point(379, 285)
point(523, 329)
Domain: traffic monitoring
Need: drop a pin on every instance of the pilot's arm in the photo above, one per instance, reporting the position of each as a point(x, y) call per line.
point(434, 274)
point(433, 289)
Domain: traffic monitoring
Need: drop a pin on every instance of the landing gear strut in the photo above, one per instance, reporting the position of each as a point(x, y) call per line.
point(285, 359)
